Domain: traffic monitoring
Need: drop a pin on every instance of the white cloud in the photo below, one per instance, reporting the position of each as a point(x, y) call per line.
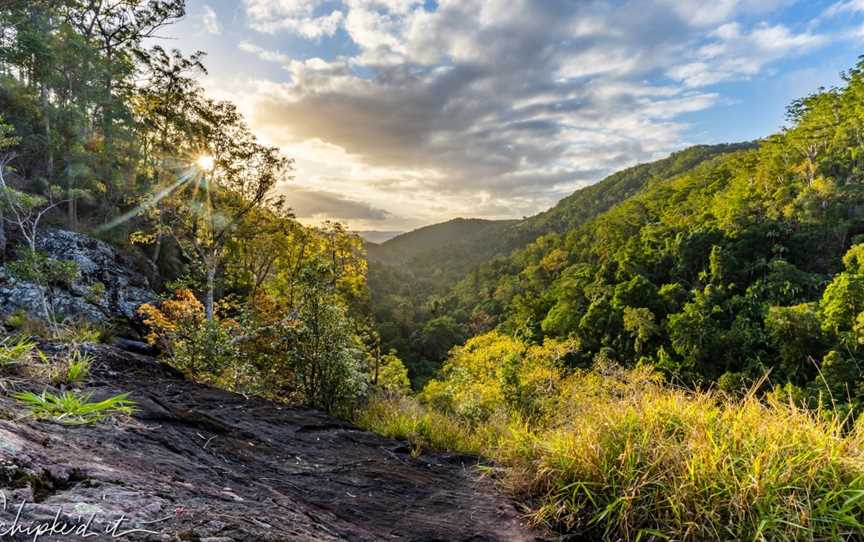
point(210, 21)
point(297, 16)
point(264, 54)
point(735, 54)
point(846, 6)
point(701, 13)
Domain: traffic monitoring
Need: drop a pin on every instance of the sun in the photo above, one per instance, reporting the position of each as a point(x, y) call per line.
point(205, 162)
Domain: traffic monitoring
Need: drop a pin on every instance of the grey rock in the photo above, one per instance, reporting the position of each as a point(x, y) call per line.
point(198, 463)
point(110, 285)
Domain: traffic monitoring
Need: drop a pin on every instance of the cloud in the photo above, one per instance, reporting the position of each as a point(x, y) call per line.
point(736, 54)
point(491, 108)
point(301, 17)
point(844, 7)
point(210, 21)
point(701, 13)
point(317, 204)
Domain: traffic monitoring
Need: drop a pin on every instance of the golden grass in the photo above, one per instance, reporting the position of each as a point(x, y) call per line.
point(624, 457)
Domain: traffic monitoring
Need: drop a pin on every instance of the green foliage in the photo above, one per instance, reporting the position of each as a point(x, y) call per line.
point(95, 292)
point(392, 375)
point(75, 408)
point(41, 269)
point(411, 275)
point(76, 369)
point(731, 261)
point(293, 328)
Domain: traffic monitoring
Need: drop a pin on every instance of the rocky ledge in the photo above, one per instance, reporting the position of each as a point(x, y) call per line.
point(110, 284)
point(200, 464)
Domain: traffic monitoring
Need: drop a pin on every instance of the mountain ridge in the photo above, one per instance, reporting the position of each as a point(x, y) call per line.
point(413, 277)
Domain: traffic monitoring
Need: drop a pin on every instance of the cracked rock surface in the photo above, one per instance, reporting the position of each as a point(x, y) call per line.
point(201, 464)
point(110, 284)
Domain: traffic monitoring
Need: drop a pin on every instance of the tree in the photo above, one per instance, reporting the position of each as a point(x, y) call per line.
point(235, 179)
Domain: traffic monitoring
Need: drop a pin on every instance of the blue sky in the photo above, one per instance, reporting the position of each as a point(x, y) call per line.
point(401, 113)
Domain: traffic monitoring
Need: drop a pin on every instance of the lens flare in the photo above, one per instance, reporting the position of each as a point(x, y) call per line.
point(205, 162)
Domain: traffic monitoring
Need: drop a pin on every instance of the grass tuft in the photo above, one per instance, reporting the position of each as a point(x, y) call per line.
point(15, 350)
point(74, 408)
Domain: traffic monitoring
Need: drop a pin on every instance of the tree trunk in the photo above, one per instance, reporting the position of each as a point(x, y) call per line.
point(46, 119)
point(157, 249)
point(211, 287)
point(2, 235)
point(70, 206)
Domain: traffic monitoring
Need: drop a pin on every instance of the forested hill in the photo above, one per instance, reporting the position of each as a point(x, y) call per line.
point(592, 200)
point(747, 263)
point(470, 238)
point(411, 274)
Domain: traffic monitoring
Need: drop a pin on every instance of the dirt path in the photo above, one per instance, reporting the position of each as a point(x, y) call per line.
point(203, 464)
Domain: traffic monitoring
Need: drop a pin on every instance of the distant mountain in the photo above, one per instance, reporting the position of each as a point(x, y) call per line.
point(470, 239)
point(375, 236)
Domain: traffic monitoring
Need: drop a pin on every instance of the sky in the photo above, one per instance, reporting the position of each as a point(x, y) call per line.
point(403, 113)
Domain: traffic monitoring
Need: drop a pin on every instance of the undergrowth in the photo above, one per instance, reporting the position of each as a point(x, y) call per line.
point(617, 454)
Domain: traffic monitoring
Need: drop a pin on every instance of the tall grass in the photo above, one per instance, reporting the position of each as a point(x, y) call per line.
point(624, 457)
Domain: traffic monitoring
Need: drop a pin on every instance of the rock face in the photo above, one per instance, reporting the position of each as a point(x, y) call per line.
point(108, 287)
point(200, 464)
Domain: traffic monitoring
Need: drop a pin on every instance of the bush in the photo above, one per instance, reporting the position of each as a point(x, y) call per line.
point(202, 349)
point(307, 353)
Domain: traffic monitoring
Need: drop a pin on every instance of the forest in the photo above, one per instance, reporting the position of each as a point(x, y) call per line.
point(672, 353)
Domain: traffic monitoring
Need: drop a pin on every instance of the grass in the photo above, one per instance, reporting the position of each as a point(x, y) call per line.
point(15, 350)
point(77, 368)
point(72, 371)
point(74, 408)
point(625, 457)
point(403, 418)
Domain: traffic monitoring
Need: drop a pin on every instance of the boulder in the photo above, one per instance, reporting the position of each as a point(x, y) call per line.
point(110, 285)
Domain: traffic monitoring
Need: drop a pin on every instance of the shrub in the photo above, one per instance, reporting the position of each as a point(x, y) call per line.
point(392, 375)
point(200, 348)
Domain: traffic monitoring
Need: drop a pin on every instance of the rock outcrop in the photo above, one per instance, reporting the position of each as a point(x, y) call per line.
point(109, 286)
point(201, 464)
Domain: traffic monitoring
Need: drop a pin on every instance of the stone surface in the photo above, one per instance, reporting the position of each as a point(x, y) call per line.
point(197, 463)
point(123, 288)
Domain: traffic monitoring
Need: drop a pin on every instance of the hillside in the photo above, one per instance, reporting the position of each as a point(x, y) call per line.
point(410, 275)
point(686, 365)
point(744, 263)
point(455, 243)
point(588, 202)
